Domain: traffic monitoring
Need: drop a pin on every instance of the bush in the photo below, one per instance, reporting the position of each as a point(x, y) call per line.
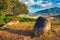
point(2, 16)
point(7, 19)
point(4, 19)
point(23, 19)
point(3, 5)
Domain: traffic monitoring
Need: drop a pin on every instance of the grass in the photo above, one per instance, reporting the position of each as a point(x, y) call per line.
point(22, 26)
point(24, 19)
point(34, 33)
point(2, 28)
point(14, 32)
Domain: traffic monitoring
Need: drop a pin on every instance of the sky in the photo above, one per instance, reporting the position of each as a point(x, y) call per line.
point(36, 5)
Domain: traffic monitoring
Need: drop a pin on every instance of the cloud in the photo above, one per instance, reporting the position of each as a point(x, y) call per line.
point(28, 2)
point(31, 2)
point(45, 4)
point(39, 2)
point(48, 4)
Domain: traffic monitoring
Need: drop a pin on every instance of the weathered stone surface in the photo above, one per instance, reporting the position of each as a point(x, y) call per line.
point(42, 25)
point(47, 25)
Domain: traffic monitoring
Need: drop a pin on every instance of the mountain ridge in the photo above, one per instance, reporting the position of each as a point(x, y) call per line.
point(54, 10)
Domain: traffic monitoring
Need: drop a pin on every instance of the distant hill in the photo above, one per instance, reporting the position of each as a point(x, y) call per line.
point(54, 10)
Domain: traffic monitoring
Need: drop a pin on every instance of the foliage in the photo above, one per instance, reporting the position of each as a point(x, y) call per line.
point(19, 8)
point(24, 19)
point(12, 7)
point(4, 18)
point(3, 6)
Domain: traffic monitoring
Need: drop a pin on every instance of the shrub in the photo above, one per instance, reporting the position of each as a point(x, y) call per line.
point(3, 5)
point(2, 16)
point(23, 19)
point(4, 19)
point(7, 19)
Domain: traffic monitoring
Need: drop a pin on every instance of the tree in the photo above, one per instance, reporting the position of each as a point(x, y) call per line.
point(18, 8)
point(13, 7)
point(3, 6)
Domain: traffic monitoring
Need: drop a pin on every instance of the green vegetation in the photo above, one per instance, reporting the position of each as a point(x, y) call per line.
point(4, 18)
point(9, 9)
point(24, 19)
point(3, 6)
point(12, 7)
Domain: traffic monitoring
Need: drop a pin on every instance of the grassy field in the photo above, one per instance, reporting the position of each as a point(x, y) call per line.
point(17, 32)
point(21, 32)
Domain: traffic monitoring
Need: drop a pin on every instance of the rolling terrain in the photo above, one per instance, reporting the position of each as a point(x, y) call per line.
point(21, 31)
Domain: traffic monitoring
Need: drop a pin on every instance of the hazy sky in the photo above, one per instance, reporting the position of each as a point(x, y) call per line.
point(36, 5)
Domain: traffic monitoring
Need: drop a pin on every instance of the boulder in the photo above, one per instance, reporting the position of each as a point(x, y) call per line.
point(42, 25)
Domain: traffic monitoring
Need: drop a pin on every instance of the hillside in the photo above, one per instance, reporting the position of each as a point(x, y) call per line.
point(54, 10)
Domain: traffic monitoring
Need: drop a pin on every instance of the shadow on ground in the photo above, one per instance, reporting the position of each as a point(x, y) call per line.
point(19, 32)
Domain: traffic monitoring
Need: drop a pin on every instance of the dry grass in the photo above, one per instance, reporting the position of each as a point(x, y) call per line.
point(21, 31)
point(21, 26)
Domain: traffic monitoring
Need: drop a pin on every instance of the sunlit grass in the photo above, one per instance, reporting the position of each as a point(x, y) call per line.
point(27, 26)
